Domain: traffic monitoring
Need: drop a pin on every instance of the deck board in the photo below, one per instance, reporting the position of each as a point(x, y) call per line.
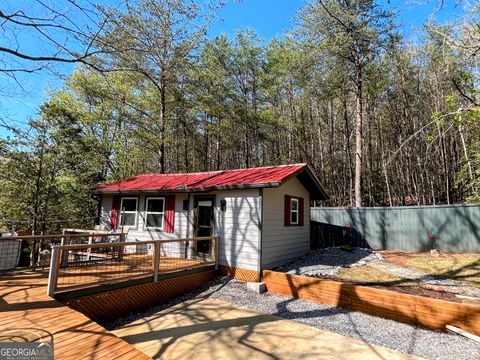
point(24, 304)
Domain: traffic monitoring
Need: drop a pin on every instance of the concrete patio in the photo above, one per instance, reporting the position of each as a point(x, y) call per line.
point(214, 329)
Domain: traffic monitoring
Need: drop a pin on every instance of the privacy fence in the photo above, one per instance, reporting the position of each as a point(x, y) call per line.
point(449, 228)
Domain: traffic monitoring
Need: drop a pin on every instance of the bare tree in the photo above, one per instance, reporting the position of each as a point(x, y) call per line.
point(47, 33)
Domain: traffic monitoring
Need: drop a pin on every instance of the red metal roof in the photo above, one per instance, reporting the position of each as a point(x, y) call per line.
point(269, 176)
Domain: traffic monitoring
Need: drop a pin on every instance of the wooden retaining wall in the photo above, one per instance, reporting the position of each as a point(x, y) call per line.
point(411, 309)
point(118, 303)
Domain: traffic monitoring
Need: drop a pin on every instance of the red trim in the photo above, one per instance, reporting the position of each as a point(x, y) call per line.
point(286, 209)
point(301, 211)
point(114, 212)
point(169, 214)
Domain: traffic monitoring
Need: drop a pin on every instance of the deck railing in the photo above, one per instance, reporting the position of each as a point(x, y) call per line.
point(34, 251)
point(83, 266)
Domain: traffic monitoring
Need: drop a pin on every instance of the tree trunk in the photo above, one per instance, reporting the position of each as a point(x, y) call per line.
point(161, 149)
point(358, 133)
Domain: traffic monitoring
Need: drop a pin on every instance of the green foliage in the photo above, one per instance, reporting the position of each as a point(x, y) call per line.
point(175, 101)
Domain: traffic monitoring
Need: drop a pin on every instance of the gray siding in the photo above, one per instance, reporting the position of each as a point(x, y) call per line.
point(457, 227)
point(283, 243)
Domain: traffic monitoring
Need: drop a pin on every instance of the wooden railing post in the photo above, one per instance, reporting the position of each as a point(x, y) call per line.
point(53, 274)
point(121, 239)
point(156, 260)
point(65, 241)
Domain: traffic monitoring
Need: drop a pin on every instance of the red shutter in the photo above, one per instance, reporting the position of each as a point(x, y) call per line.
point(301, 212)
point(170, 213)
point(114, 212)
point(286, 210)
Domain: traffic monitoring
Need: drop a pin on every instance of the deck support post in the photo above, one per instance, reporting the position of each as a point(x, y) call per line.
point(156, 260)
point(53, 274)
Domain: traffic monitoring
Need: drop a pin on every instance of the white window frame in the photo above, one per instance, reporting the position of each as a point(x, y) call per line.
point(292, 200)
point(155, 213)
point(128, 212)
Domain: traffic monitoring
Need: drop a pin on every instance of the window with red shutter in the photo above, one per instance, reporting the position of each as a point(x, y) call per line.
point(155, 213)
point(160, 213)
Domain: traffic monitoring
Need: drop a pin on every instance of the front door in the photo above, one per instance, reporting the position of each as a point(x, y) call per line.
point(204, 221)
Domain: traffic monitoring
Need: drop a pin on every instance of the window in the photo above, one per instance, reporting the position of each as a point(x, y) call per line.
point(155, 213)
point(128, 212)
point(293, 211)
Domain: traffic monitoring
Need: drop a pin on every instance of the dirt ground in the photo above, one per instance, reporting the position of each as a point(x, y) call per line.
point(402, 258)
point(464, 268)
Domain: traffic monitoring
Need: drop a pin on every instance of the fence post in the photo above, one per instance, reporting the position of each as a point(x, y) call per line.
point(156, 260)
point(53, 274)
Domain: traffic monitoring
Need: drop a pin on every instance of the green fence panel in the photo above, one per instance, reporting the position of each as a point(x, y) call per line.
point(449, 228)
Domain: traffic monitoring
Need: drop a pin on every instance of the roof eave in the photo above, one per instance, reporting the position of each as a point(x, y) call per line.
point(312, 176)
point(317, 182)
point(191, 190)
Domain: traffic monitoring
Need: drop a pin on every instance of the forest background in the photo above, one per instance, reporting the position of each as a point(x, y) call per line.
point(383, 119)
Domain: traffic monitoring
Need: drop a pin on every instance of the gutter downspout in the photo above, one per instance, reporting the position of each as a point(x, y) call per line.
point(260, 231)
point(188, 216)
point(187, 243)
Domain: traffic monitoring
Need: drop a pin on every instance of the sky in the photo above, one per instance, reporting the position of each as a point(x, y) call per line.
point(269, 18)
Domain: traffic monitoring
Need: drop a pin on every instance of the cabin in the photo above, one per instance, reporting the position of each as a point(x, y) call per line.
point(260, 215)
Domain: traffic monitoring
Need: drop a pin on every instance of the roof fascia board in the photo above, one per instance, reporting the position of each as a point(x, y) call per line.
point(195, 190)
point(312, 175)
point(317, 181)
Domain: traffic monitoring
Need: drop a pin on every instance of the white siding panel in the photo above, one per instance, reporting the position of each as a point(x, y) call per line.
point(106, 208)
point(238, 228)
point(141, 233)
point(283, 243)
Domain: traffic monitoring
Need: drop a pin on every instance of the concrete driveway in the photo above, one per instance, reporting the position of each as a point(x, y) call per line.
point(213, 329)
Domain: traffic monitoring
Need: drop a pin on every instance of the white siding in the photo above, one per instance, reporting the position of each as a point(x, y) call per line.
point(283, 243)
point(105, 210)
point(141, 233)
point(237, 227)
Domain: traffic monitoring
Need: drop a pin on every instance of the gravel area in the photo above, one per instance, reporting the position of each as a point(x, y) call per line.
point(329, 261)
point(402, 337)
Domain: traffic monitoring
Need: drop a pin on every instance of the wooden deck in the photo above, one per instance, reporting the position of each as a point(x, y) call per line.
point(28, 314)
point(132, 266)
